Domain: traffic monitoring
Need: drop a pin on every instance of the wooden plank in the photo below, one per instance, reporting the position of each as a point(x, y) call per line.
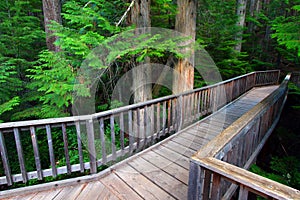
point(187, 143)
point(170, 167)
point(179, 149)
point(5, 162)
point(79, 143)
point(65, 139)
point(70, 192)
point(51, 151)
point(170, 184)
point(119, 188)
point(47, 195)
point(20, 155)
point(93, 190)
point(36, 153)
point(140, 184)
point(173, 156)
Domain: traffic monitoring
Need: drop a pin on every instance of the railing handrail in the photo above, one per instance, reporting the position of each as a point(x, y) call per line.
point(117, 110)
point(249, 180)
point(165, 115)
point(217, 144)
point(210, 156)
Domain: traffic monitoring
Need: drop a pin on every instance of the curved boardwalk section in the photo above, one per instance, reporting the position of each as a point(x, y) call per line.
point(160, 172)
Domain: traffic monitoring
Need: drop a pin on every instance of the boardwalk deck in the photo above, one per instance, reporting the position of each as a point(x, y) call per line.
point(160, 172)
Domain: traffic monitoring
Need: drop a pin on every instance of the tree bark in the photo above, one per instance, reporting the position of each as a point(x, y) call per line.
point(186, 24)
point(140, 17)
point(241, 13)
point(52, 12)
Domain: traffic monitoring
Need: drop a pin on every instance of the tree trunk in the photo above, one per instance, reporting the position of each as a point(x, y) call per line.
point(241, 13)
point(52, 12)
point(186, 24)
point(140, 17)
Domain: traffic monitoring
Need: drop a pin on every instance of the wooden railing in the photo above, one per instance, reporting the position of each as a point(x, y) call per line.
point(219, 168)
point(112, 135)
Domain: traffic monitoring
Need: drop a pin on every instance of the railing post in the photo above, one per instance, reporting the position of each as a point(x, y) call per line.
point(196, 176)
point(91, 145)
point(5, 161)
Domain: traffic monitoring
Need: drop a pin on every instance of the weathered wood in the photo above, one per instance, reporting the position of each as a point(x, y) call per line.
point(249, 180)
point(71, 192)
point(182, 106)
point(79, 143)
point(173, 187)
point(216, 187)
point(167, 166)
point(5, 161)
point(51, 151)
point(20, 154)
point(131, 138)
point(67, 156)
point(140, 184)
point(196, 176)
point(36, 153)
point(122, 132)
point(113, 137)
point(91, 146)
point(119, 187)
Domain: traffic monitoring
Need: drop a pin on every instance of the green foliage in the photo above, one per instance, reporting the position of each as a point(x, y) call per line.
point(217, 30)
point(163, 13)
point(21, 40)
point(283, 170)
point(54, 81)
point(287, 30)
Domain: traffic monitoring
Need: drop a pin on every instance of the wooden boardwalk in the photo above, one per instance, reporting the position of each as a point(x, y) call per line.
point(161, 171)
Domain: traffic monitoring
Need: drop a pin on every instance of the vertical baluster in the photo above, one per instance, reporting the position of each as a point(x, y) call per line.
point(243, 193)
point(113, 137)
point(51, 151)
point(145, 125)
point(137, 127)
point(169, 115)
point(207, 184)
point(130, 132)
point(102, 139)
point(182, 111)
point(152, 121)
point(196, 176)
point(198, 102)
point(192, 106)
point(216, 187)
point(122, 133)
point(20, 155)
point(164, 118)
point(80, 152)
point(67, 156)
point(91, 146)
point(174, 104)
point(5, 162)
point(158, 120)
point(36, 153)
